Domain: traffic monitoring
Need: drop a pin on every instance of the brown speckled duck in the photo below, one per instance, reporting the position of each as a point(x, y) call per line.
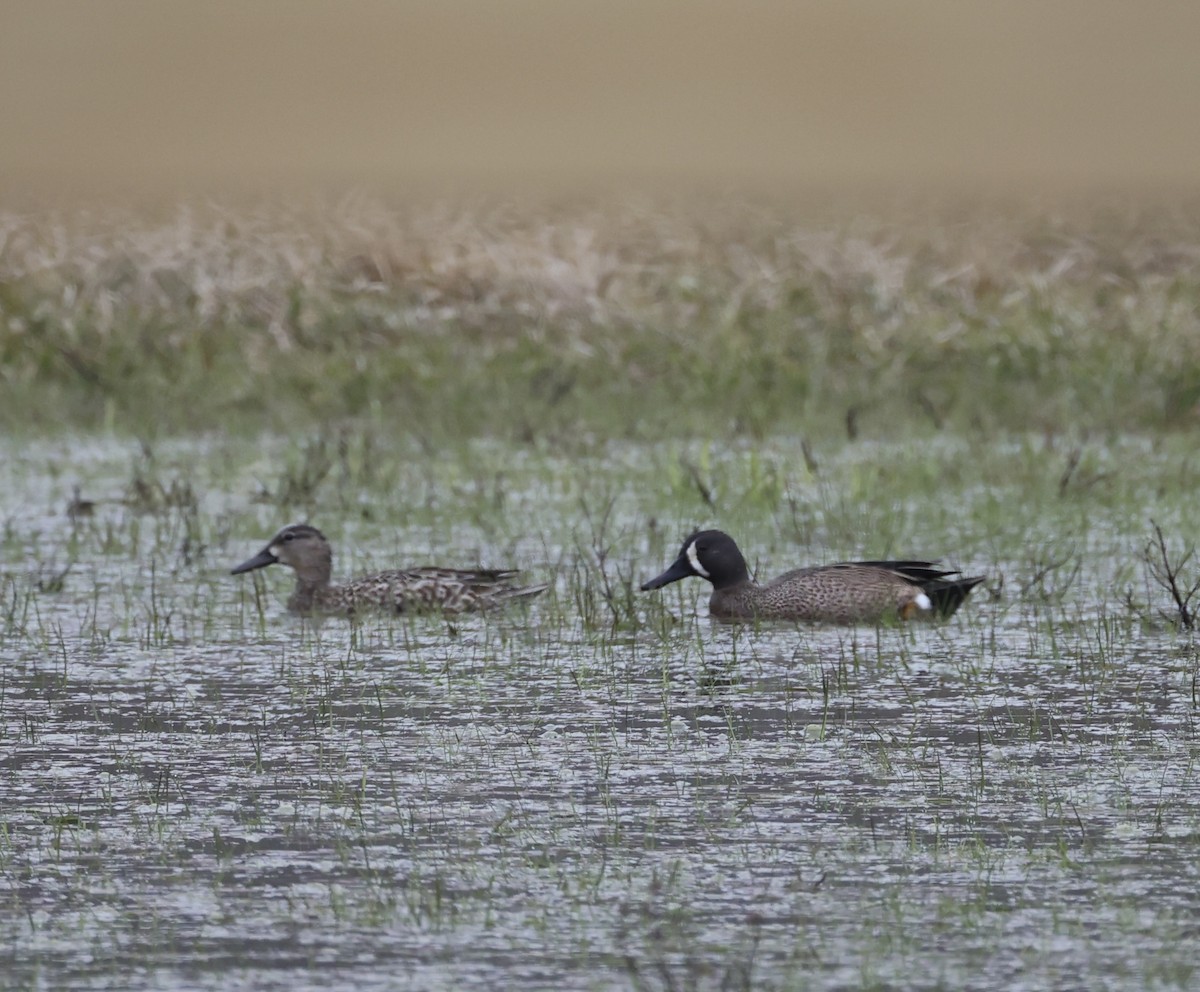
point(305, 550)
point(848, 592)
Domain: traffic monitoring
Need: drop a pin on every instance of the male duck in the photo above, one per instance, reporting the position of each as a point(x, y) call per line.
point(848, 592)
point(446, 590)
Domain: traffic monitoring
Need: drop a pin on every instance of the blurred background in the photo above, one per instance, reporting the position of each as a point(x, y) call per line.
point(170, 96)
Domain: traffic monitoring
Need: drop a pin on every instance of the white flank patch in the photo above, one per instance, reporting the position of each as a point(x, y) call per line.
point(694, 561)
point(923, 601)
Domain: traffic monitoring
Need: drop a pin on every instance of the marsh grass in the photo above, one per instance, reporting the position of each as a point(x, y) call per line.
point(555, 323)
point(603, 790)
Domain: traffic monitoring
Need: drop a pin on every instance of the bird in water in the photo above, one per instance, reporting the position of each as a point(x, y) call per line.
point(846, 592)
point(305, 550)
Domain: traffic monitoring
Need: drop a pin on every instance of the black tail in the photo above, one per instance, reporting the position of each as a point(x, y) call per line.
point(949, 594)
point(946, 591)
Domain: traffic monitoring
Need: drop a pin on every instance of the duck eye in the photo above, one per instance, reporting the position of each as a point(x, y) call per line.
point(289, 536)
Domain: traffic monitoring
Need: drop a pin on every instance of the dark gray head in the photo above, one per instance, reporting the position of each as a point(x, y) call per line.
point(710, 554)
point(298, 546)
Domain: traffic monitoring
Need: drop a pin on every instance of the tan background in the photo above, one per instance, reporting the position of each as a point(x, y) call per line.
point(168, 94)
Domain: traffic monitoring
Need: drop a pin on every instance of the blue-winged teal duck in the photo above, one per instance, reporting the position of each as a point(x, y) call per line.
point(848, 592)
point(305, 550)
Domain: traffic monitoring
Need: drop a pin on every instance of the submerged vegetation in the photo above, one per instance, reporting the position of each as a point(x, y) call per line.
point(630, 320)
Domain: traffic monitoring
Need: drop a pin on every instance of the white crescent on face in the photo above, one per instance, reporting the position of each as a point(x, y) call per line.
point(693, 558)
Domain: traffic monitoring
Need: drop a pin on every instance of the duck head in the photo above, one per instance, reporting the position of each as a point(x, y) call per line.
point(709, 554)
point(298, 546)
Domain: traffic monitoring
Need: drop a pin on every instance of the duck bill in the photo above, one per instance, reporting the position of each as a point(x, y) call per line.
point(680, 569)
point(260, 560)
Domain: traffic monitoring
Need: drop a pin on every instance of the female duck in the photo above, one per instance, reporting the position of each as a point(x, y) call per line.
point(305, 550)
point(848, 592)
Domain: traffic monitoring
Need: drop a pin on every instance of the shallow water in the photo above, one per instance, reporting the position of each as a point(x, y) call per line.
point(198, 791)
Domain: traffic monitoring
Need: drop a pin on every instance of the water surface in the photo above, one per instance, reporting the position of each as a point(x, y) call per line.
point(605, 790)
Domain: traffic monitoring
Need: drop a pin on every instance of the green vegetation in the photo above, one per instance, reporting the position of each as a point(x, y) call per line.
point(603, 790)
point(533, 321)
